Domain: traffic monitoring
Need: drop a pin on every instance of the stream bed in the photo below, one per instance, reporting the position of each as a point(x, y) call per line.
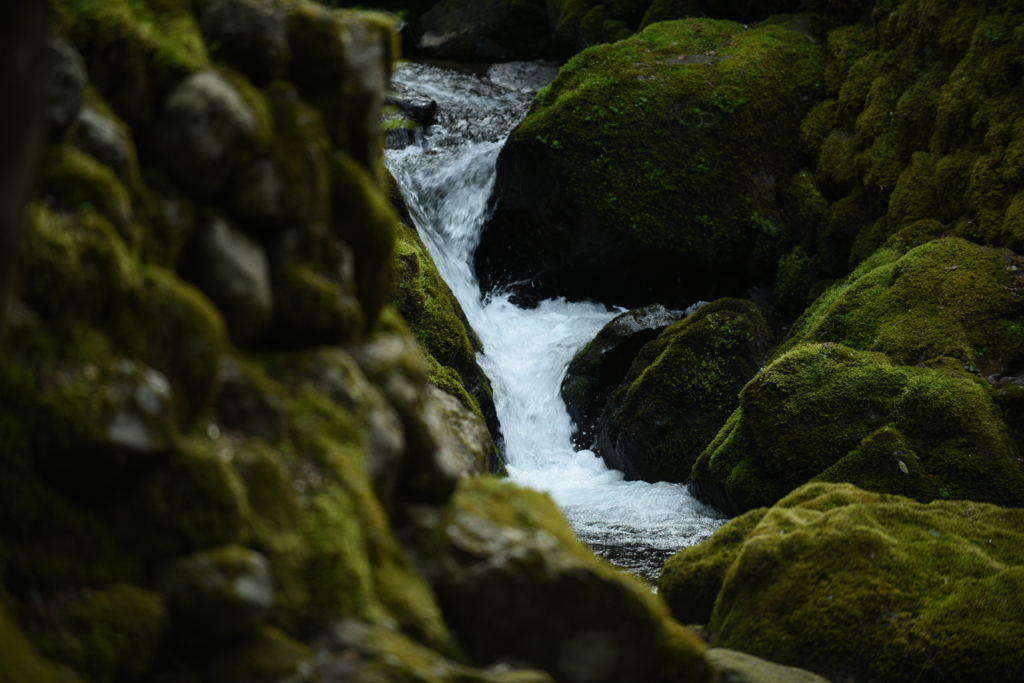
point(446, 172)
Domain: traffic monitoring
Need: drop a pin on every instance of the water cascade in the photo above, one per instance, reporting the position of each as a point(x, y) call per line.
point(446, 176)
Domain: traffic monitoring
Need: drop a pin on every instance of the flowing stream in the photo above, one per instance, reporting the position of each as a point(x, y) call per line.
point(446, 174)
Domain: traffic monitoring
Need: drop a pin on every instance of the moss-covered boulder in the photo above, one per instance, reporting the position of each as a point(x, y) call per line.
point(826, 411)
point(436, 318)
point(489, 30)
point(862, 586)
point(921, 300)
point(250, 35)
point(659, 159)
point(922, 122)
point(217, 595)
point(680, 390)
point(517, 585)
point(599, 367)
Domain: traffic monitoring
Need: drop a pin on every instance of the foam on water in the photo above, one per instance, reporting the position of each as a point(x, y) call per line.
point(447, 181)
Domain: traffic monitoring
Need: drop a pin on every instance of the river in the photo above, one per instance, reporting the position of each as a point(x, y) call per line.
point(446, 176)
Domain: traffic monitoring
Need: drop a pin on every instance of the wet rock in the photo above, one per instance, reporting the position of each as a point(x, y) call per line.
point(292, 184)
point(516, 585)
point(434, 460)
point(681, 389)
point(341, 63)
point(474, 443)
point(232, 269)
point(571, 208)
point(599, 367)
point(107, 424)
point(832, 572)
point(738, 667)
point(436, 318)
point(102, 138)
point(217, 595)
point(65, 91)
point(492, 30)
point(207, 132)
point(248, 402)
point(250, 35)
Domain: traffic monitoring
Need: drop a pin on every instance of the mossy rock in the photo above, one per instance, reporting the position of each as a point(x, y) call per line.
point(517, 585)
point(436, 318)
point(827, 411)
point(488, 30)
point(746, 11)
point(271, 657)
point(195, 502)
point(19, 661)
point(174, 328)
point(77, 268)
point(311, 310)
point(601, 365)
point(921, 299)
point(862, 586)
point(926, 124)
point(107, 635)
point(680, 390)
point(341, 63)
point(366, 221)
point(136, 52)
point(291, 185)
point(660, 159)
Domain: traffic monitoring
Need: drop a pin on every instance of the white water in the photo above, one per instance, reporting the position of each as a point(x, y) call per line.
point(447, 180)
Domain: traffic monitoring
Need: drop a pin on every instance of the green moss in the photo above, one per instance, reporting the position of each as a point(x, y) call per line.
point(312, 310)
point(77, 268)
point(546, 590)
point(681, 389)
point(195, 502)
point(838, 231)
point(19, 661)
point(817, 405)
point(366, 221)
point(690, 580)
point(804, 206)
point(78, 183)
point(437, 320)
point(271, 656)
point(356, 568)
point(104, 635)
point(944, 298)
point(836, 173)
point(173, 327)
point(797, 281)
point(712, 129)
point(861, 586)
point(817, 125)
point(136, 51)
point(845, 45)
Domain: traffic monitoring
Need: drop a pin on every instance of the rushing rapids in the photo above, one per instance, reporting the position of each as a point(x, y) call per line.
point(446, 175)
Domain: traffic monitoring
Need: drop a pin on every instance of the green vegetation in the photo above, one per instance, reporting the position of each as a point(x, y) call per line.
point(703, 110)
point(862, 586)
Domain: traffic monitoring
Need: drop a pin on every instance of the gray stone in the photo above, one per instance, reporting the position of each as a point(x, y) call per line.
point(102, 139)
point(472, 439)
point(207, 131)
point(65, 91)
point(218, 595)
point(232, 269)
point(739, 667)
point(250, 35)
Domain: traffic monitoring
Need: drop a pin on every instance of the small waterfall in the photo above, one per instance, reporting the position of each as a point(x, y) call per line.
point(447, 177)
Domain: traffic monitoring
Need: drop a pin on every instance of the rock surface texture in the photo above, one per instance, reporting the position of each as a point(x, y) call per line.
point(861, 586)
